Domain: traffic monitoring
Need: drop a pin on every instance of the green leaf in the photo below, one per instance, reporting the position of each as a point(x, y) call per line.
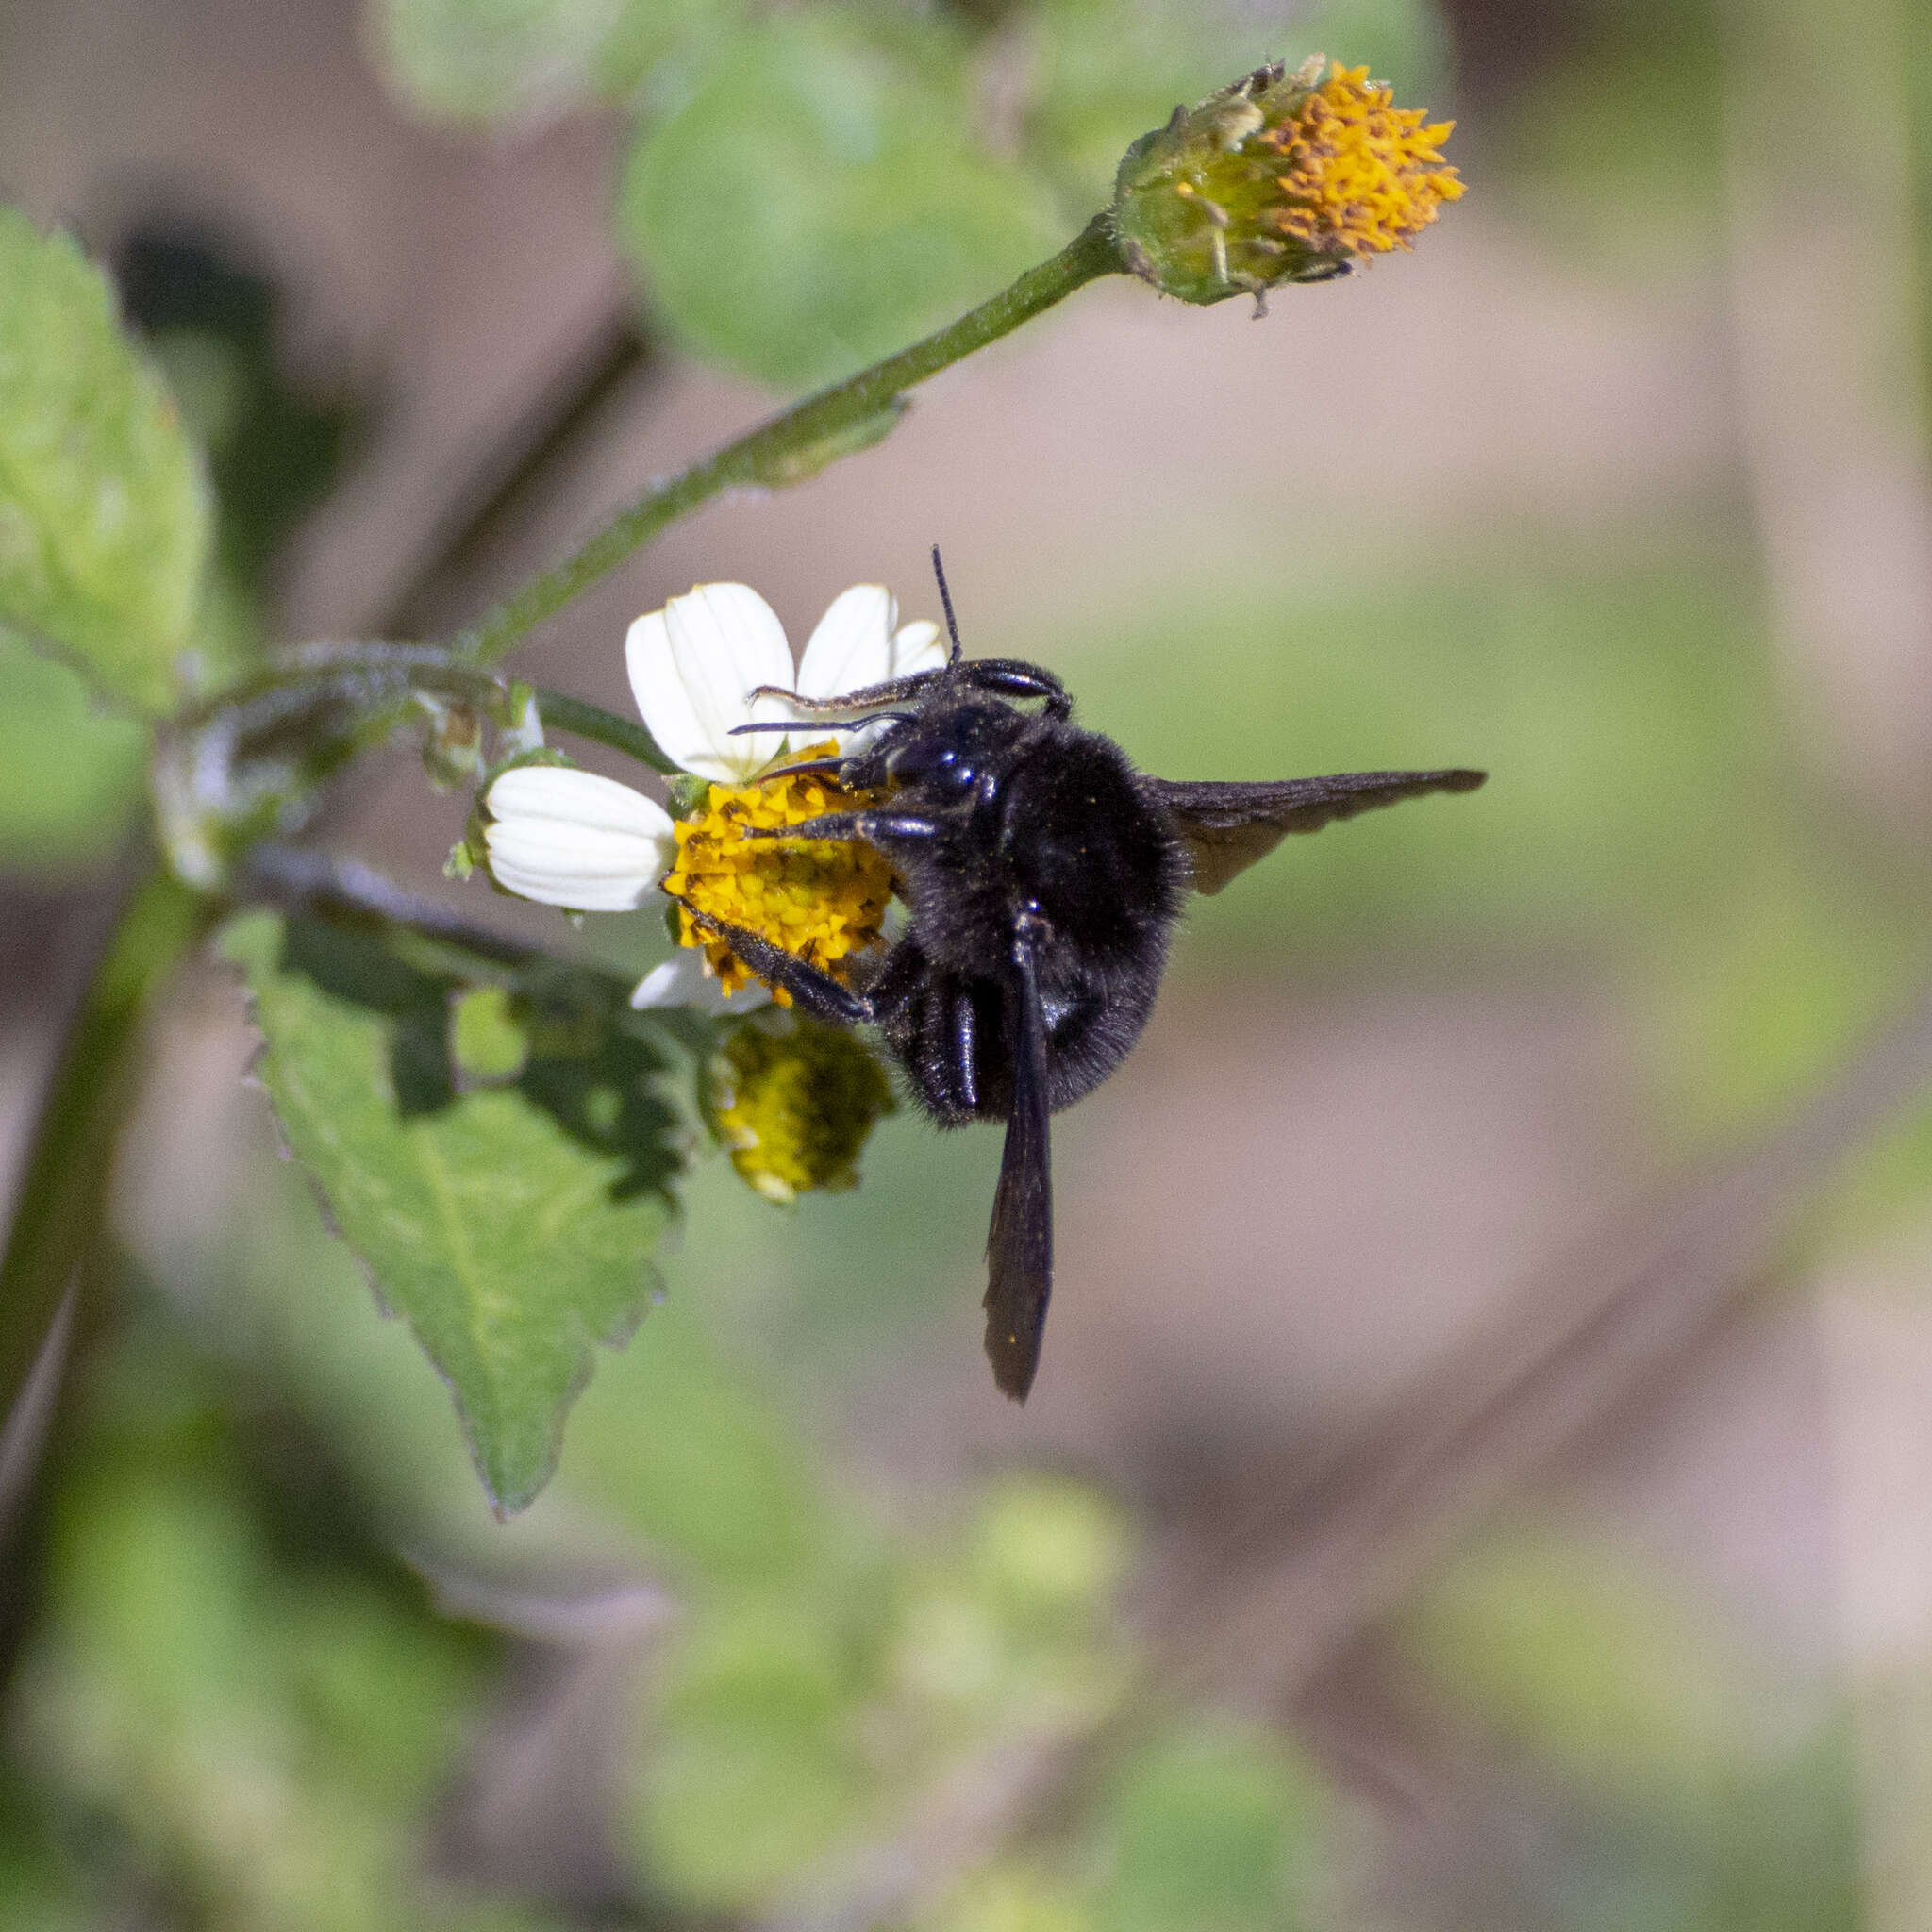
point(820, 201)
point(69, 775)
point(512, 1225)
point(103, 507)
point(489, 61)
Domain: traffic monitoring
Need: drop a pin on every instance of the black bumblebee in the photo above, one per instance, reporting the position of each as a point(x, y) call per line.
point(1042, 876)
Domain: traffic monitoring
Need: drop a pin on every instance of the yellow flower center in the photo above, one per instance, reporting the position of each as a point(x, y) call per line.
point(822, 899)
point(795, 1101)
point(1364, 176)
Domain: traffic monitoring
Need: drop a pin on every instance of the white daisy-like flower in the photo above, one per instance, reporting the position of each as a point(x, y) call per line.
point(572, 839)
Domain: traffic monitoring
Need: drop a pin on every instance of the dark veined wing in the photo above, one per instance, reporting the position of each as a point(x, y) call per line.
point(1019, 1247)
point(1227, 828)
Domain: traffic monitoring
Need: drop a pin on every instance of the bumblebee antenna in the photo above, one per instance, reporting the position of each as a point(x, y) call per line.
point(939, 569)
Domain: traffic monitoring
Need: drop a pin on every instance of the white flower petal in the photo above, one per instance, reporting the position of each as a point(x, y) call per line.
point(916, 647)
point(659, 692)
point(693, 666)
point(577, 798)
point(682, 981)
point(852, 646)
point(569, 837)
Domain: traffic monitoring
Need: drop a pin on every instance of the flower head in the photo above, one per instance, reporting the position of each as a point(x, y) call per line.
point(818, 898)
point(572, 839)
point(1280, 177)
point(795, 1100)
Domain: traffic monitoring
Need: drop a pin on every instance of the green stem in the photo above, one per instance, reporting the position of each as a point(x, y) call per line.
point(559, 711)
point(794, 445)
point(71, 1152)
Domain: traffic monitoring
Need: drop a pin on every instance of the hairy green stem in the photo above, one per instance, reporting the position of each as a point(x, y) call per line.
point(64, 1187)
point(796, 444)
point(559, 711)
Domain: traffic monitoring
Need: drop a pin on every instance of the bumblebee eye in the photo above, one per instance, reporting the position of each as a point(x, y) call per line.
point(936, 765)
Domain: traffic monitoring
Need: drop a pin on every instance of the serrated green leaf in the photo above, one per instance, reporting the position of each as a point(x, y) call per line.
point(69, 775)
point(513, 1227)
point(821, 200)
point(103, 507)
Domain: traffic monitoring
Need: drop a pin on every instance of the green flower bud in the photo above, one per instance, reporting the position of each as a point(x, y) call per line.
point(1281, 177)
point(795, 1101)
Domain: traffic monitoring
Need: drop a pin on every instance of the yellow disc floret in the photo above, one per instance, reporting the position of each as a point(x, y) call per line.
point(822, 899)
point(1364, 176)
point(795, 1100)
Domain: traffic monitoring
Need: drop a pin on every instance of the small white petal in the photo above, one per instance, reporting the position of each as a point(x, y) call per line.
point(682, 981)
point(852, 646)
point(693, 666)
point(916, 647)
point(570, 837)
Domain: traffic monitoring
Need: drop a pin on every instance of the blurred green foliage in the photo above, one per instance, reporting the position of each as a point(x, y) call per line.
point(1685, 1784)
point(231, 1713)
point(105, 509)
point(808, 188)
point(70, 773)
point(820, 201)
point(71, 768)
point(276, 446)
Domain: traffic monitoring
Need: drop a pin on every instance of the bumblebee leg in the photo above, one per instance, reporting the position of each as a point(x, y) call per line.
point(814, 991)
point(812, 767)
point(881, 828)
point(965, 1039)
point(852, 700)
point(1008, 677)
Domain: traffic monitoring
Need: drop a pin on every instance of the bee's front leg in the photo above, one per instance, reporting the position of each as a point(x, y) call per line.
point(883, 829)
point(813, 990)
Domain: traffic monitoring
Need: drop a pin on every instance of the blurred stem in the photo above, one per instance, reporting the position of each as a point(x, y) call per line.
point(518, 466)
point(345, 893)
point(836, 422)
point(71, 1148)
point(561, 712)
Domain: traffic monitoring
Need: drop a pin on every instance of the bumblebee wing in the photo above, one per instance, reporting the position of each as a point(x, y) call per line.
point(1019, 1246)
point(1227, 828)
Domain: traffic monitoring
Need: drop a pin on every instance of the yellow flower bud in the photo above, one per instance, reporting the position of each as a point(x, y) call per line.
point(1281, 177)
point(795, 1101)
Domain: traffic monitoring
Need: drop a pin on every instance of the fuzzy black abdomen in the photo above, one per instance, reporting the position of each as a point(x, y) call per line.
point(1081, 840)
